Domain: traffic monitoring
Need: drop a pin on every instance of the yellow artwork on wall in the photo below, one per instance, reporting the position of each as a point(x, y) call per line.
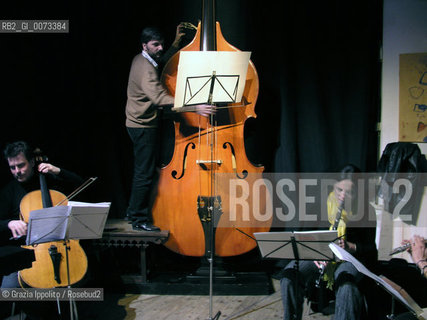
point(413, 97)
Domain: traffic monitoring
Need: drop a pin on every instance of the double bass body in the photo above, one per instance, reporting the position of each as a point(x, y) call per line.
point(208, 154)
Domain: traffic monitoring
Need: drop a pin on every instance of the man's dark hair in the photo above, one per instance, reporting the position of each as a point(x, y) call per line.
point(151, 33)
point(13, 149)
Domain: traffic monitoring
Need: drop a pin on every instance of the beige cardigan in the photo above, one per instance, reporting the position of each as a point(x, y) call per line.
point(145, 93)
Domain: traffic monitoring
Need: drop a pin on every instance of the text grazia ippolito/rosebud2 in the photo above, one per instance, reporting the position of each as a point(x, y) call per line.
point(54, 294)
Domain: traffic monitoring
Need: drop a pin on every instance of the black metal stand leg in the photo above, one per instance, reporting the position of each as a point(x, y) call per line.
point(218, 314)
point(58, 305)
point(391, 316)
point(73, 307)
point(296, 268)
point(210, 232)
point(296, 288)
point(144, 262)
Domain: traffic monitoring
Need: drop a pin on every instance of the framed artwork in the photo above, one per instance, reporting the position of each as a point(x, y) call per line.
point(413, 97)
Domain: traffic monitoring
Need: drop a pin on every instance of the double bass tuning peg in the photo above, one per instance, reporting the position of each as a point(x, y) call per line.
point(39, 156)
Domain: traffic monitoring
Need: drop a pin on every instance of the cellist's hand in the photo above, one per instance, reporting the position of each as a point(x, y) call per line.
point(48, 168)
point(18, 228)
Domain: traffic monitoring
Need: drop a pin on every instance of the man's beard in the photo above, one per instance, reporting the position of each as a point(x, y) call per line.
point(156, 56)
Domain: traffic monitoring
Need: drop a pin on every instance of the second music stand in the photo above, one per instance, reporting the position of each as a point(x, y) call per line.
point(64, 223)
point(298, 245)
point(301, 245)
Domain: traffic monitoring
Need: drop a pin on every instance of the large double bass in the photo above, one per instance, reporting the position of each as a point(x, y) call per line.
point(193, 193)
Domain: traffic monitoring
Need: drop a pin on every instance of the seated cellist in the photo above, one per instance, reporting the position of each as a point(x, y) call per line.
point(22, 165)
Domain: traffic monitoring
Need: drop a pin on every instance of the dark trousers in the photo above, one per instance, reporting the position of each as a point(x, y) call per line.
point(145, 145)
point(405, 316)
point(349, 301)
point(10, 281)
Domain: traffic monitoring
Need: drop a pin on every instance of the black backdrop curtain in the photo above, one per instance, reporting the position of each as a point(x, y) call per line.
point(330, 86)
point(317, 63)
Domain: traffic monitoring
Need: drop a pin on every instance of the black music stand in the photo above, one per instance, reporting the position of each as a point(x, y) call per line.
point(64, 223)
point(298, 245)
point(396, 292)
point(207, 77)
point(209, 82)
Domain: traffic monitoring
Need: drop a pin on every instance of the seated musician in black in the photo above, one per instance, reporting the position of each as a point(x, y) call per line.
point(23, 168)
point(357, 240)
point(418, 252)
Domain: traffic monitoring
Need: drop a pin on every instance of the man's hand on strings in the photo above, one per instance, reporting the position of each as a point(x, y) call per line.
point(205, 110)
point(18, 228)
point(48, 168)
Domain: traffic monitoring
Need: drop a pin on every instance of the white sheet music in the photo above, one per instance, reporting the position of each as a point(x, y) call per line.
point(88, 204)
point(76, 221)
point(344, 255)
point(197, 67)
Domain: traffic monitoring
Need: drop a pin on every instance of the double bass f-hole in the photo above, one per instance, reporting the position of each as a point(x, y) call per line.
point(184, 161)
point(233, 161)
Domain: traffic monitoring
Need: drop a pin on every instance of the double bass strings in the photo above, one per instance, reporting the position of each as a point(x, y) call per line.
point(207, 151)
point(200, 154)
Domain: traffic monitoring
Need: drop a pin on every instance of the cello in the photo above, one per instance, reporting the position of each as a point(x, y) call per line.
point(193, 189)
point(58, 263)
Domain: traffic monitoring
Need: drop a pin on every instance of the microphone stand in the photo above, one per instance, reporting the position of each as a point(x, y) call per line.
point(211, 213)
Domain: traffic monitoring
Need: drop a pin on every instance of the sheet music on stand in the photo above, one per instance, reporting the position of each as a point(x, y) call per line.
point(387, 284)
point(78, 220)
point(311, 245)
point(210, 77)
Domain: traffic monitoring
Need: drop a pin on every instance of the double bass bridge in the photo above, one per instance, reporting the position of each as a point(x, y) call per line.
point(208, 164)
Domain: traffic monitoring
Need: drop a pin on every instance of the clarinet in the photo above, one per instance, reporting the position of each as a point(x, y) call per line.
point(334, 227)
point(402, 248)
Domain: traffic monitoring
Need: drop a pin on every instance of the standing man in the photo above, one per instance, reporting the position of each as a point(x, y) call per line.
point(145, 95)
